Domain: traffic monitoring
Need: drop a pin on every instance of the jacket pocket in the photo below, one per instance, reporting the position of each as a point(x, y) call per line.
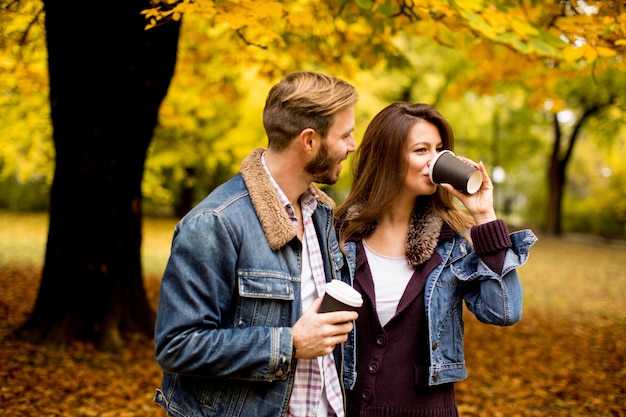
point(258, 285)
point(264, 300)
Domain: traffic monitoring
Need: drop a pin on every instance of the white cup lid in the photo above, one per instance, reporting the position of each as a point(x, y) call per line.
point(343, 292)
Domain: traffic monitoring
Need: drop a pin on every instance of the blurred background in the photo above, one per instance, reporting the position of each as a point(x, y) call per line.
point(116, 119)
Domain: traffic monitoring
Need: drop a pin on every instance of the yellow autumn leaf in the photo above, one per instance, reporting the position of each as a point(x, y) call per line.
point(476, 22)
point(590, 53)
point(605, 52)
point(523, 29)
point(473, 5)
point(572, 53)
point(299, 18)
point(427, 29)
point(498, 21)
point(271, 9)
point(620, 42)
point(445, 35)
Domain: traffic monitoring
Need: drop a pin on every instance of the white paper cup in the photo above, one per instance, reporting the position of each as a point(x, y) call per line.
point(340, 296)
point(447, 168)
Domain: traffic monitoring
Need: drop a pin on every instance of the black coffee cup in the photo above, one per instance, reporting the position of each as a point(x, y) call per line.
point(447, 168)
point(340, 296)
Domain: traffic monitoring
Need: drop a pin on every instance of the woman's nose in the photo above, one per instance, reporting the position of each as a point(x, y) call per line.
point(432, 156)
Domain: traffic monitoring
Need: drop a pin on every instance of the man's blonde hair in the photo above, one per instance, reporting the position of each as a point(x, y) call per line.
point(304, 100)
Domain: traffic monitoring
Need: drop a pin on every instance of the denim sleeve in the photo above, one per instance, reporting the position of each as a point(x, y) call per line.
point(196, 330)
point(496, 298)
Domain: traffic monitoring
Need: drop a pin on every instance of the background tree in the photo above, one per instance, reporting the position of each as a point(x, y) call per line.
point(107, 80)
point(597, 104)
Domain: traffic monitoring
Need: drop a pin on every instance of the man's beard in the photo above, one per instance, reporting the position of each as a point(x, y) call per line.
point(322, 167)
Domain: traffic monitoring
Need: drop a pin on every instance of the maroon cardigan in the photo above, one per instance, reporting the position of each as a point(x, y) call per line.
point(392, 362)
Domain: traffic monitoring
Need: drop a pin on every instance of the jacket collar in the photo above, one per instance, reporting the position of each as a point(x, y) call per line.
point(425, 231)
point(275, 222)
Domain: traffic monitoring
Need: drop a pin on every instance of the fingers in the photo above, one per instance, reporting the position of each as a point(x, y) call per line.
point(468, 161)
point(316, 334)
point(337, 317)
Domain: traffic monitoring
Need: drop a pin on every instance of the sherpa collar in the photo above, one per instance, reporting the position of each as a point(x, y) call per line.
point(424, 231)
point(274, 220)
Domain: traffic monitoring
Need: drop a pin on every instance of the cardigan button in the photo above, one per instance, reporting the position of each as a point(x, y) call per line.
point(372, 367)
point(381, 340)
point(366, 395)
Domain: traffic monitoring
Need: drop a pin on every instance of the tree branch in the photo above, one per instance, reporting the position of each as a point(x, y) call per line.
point(241, 36)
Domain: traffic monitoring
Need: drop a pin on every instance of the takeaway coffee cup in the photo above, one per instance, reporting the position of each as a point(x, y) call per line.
point(447, 168)
point(340, 296)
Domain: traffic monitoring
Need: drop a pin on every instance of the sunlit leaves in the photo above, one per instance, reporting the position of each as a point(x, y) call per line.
point(293, 32)
point(23, 95)
point(530, 43)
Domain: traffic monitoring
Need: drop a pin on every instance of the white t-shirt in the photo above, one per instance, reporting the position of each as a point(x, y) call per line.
point(391, 275)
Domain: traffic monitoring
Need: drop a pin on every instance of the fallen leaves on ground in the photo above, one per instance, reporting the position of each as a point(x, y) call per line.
point(545, 366)
point(548, 365)
point(80, 382)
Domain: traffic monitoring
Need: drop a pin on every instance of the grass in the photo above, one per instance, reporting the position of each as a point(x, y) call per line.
point(567, 357)
point(575, 279)
point(23, 241)
point(562, 277)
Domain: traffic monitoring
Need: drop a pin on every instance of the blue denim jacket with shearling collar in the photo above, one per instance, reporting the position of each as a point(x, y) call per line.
point(224, 341)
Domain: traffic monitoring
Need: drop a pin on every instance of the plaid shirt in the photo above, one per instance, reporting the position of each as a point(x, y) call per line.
point(313, 377)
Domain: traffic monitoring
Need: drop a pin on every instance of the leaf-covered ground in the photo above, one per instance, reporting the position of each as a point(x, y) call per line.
point(80, 382)
point(567, 357)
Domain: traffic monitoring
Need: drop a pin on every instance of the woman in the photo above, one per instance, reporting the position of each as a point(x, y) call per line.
point(415, 256)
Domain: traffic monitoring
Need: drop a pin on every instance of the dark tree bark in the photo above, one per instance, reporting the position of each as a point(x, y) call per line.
point(108, 77)
point(558, 166)
point(556, 182)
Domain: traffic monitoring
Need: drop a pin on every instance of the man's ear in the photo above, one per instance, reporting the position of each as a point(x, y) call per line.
point(309, 140)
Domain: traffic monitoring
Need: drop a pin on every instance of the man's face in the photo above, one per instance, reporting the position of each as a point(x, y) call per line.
point(326, 166)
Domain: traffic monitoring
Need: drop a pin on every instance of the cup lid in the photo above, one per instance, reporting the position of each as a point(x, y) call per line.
point(343, 292)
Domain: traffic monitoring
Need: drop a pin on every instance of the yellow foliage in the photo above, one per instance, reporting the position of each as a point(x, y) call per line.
point(590, 53)
point(605, 52)
point(523, 29)
point(573, 53)
point(220, 39)
point(470, 5)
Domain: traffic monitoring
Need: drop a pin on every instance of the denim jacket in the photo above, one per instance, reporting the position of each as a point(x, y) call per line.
point(494, 298)
point(229, 296)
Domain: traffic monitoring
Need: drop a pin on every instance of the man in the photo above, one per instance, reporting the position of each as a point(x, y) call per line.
point(238, 331)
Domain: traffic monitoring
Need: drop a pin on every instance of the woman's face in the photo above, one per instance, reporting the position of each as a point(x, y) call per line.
point(423, 143)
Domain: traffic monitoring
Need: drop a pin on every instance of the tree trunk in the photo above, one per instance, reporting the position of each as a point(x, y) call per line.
point(556, 182)
point(558, 165)
point(108, 77)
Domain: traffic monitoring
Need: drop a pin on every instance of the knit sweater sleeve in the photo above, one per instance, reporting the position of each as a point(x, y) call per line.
point(491, 240)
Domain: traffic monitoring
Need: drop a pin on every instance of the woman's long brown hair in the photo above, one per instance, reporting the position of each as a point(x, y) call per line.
point(380, 166)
